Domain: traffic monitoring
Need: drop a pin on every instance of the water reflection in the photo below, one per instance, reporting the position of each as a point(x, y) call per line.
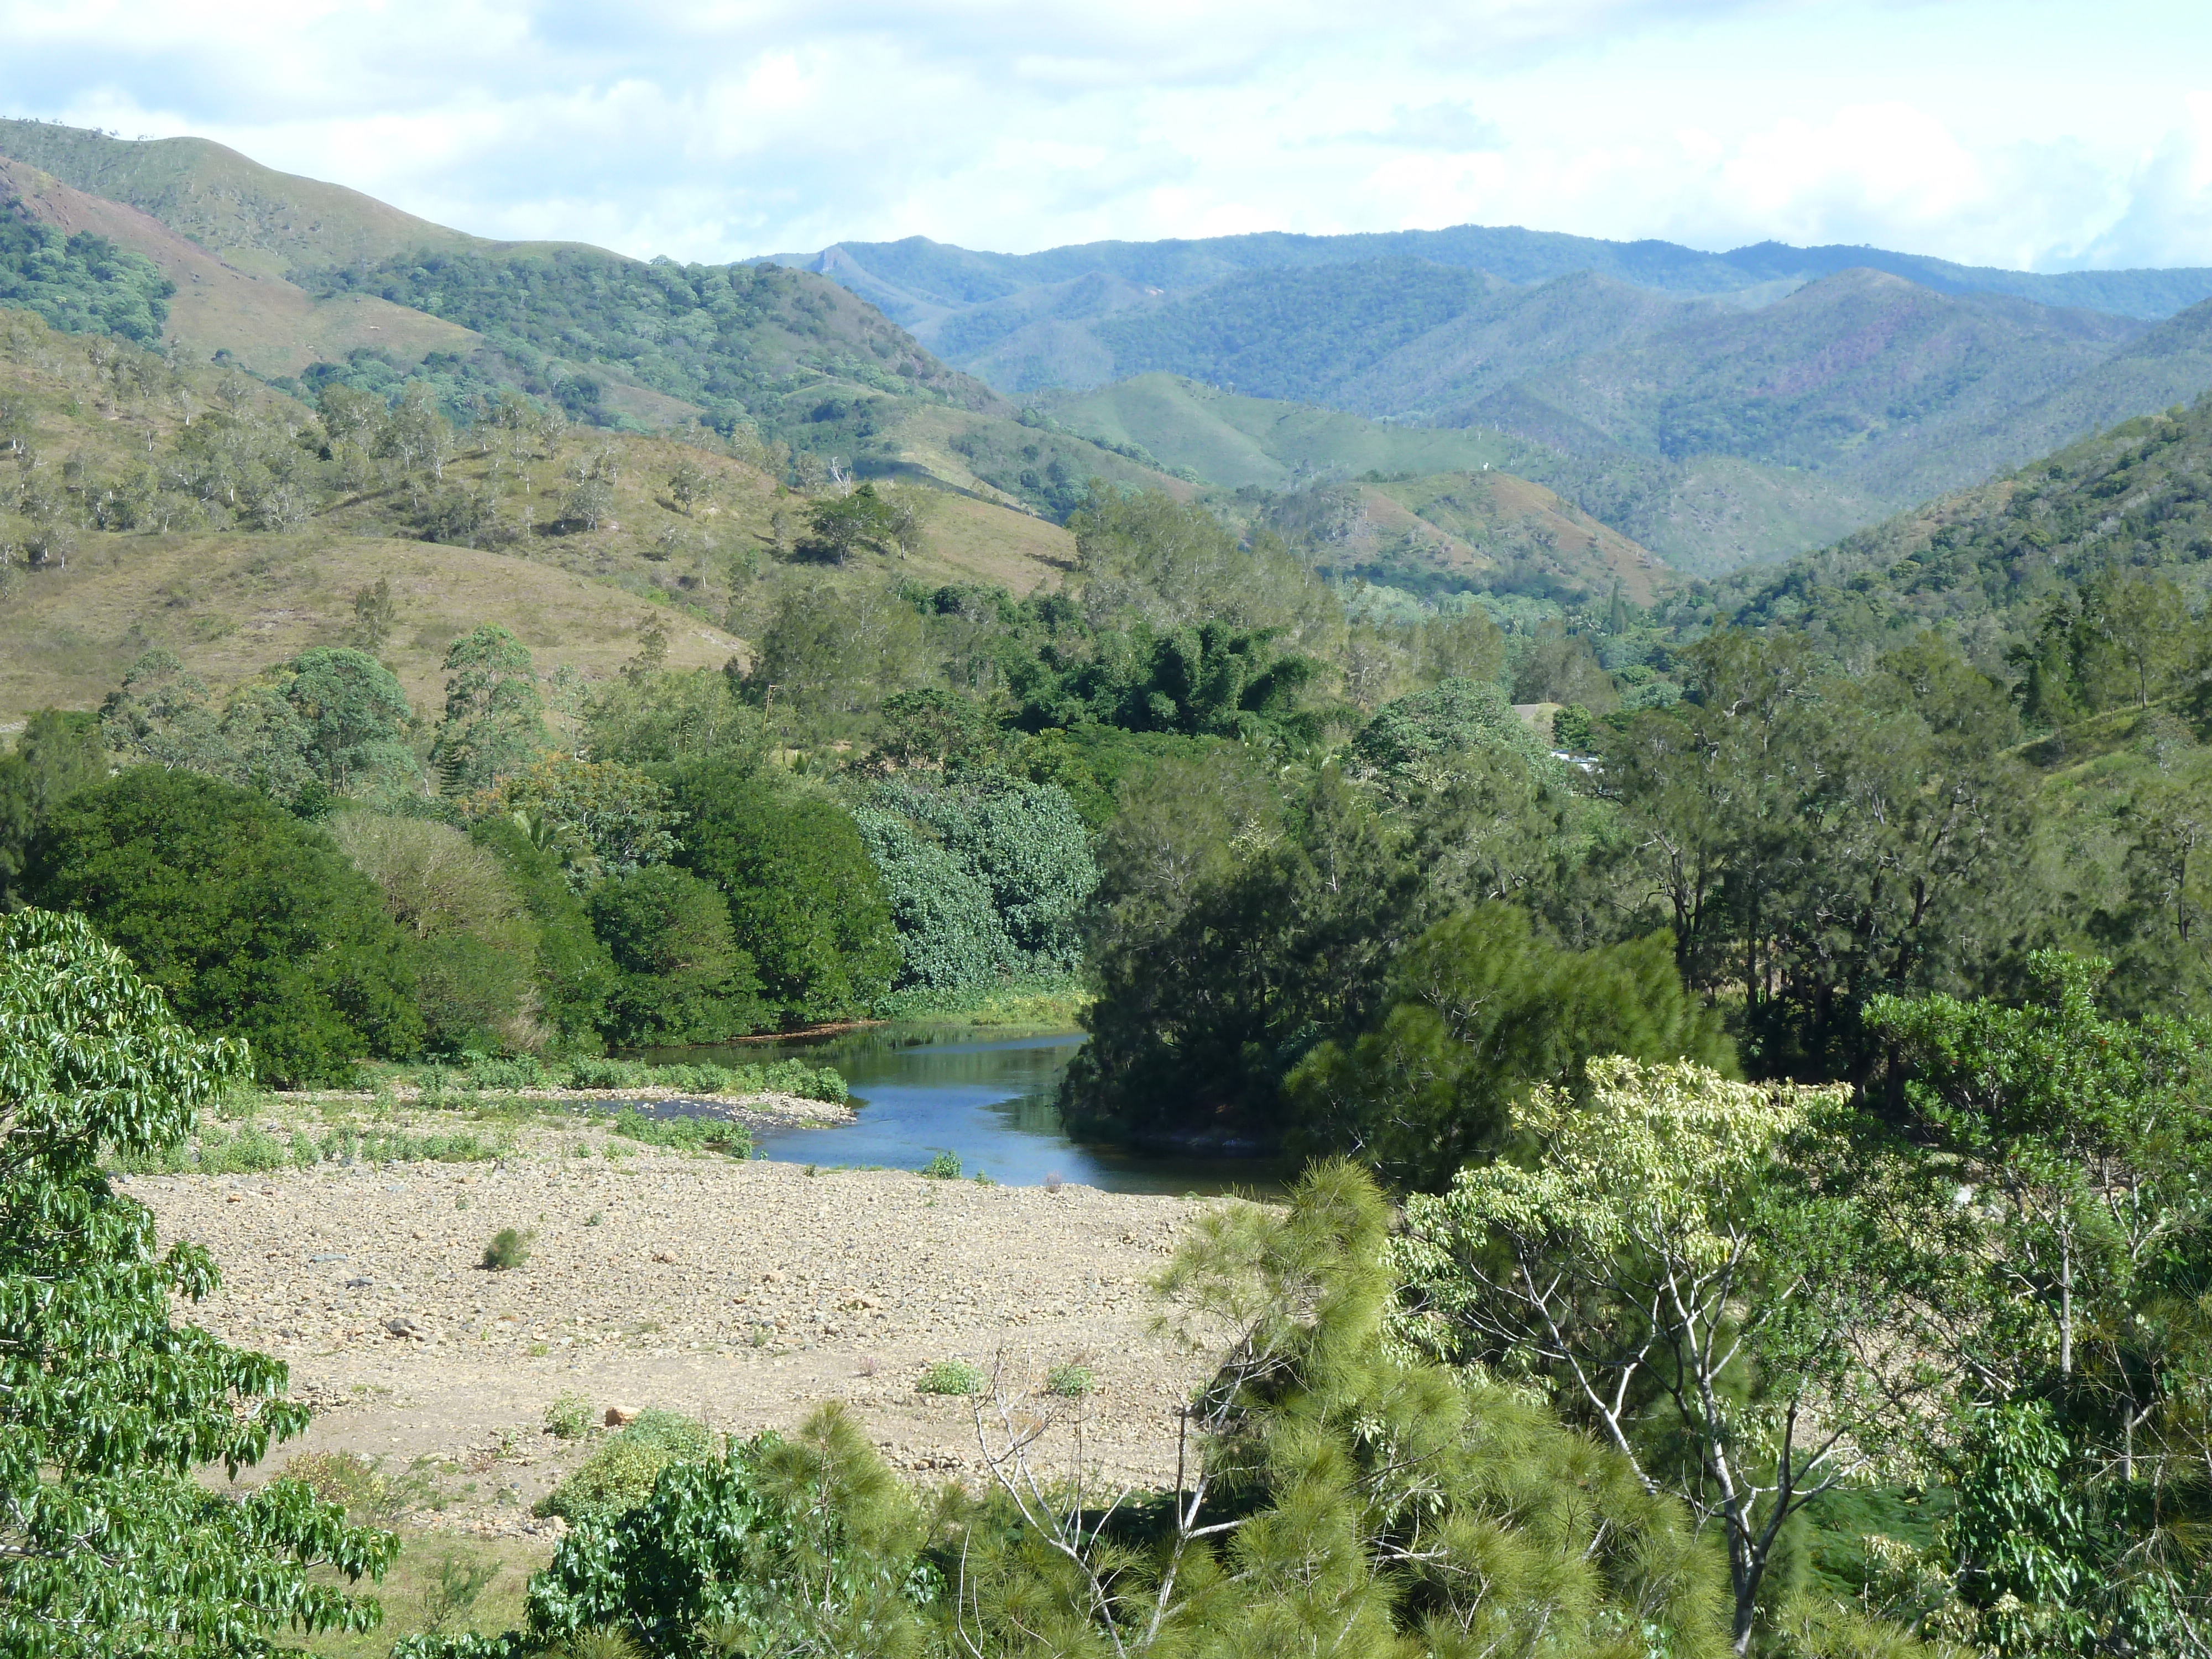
point(923, 1091)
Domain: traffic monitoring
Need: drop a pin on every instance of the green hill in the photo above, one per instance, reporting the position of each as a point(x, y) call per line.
point(247, 214)
point(1995, 564)
point(1703, 517)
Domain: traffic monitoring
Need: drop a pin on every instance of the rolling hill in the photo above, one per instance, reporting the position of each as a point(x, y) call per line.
point(1703, 517)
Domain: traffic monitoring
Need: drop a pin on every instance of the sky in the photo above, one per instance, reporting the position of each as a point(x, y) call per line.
point(2017, 133)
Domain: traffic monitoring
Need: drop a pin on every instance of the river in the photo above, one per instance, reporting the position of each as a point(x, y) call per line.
point(921, 1091)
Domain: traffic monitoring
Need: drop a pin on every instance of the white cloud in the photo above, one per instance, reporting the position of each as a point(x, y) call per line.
point(1999, 132)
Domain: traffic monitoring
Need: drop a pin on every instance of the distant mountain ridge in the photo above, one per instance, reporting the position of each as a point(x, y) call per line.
point(925, 284)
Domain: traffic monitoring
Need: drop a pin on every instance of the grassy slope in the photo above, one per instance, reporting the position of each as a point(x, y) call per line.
point(271, 326)
point(1499, 519)
point(252, 215)
point(231, 602)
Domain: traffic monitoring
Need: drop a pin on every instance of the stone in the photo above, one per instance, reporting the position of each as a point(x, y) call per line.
point(619, 1415)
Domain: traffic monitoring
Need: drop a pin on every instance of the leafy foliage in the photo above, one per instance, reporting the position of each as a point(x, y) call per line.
point(986, 878)
point(1477, 1010)
point(81, 284)
point(111, 1548)
point(682, 977)
point(252, 923)
point(806, 902)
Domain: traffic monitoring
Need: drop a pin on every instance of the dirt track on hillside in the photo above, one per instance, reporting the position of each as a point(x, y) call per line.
point(741, 1293)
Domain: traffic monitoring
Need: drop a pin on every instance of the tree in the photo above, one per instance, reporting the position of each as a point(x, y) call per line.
point(600, 817)
point(374, 613)
point(1561, 667)
point(494, 719)
point(355, 720)
point(682, 977)
point(59, 753)
point(1336, 1498)
point(986, 877)
point(806, 902)
point(843, 524)
point(1478, 1011)
point(2081, 1135)
point(1278, 940)
point(473, 945)
point(252, 922)
point(574, 975)
point(1728, 1325)
point(1173, 564)
point(826, 653)
point(673, 716)
point(110, 1548)
point(690, 484)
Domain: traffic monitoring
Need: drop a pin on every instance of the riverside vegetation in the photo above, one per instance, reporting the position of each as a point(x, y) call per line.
point(1747, 1052)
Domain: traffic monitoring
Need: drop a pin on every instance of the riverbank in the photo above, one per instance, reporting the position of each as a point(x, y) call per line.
point(741, 1293)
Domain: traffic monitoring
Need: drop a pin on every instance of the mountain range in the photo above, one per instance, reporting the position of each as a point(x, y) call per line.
point(1716, 409)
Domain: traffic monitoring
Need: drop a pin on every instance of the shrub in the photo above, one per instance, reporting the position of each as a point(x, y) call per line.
point(952, 1376)
point(574, 976)
point(1070, 1382)
point(568, 1416)
point(508, 1249)
point(684, 1133)
point(619, 1475)
point(986, 878)
point(251, 922)
point(472, 943)
point(943, 1167)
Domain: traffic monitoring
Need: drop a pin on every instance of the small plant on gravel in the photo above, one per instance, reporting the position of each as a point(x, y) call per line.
point(593, 1219)
point(1052, 1183)
point(461, 1203)
point(953, 1376)
point(1070, 1382)
point(568, 1418)
point(869, 1364)
point(509, 1247)
point(944, 1167)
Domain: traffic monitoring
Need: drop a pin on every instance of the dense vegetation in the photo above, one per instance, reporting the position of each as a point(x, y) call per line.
point(81, 284)
point(736, 340)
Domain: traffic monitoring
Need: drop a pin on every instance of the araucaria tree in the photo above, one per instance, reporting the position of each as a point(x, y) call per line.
point(108, 1547)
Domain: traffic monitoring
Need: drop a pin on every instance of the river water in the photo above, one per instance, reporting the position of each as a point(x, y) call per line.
point(921, 1091)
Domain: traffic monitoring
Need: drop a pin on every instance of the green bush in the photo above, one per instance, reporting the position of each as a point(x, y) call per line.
point(950, 1377)
point(252, 922)
point(574, 975)
point(804, 900)
point(619, 1476)
point(986, 878)
point(784, 1077)
point(1070, 1382)
point(509, 1247)
point(568, 1418)
point(684, 1133)
point(945, 1166)
point(471, 941)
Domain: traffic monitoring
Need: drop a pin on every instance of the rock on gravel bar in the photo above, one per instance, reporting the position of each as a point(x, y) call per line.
point(742, 1293)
